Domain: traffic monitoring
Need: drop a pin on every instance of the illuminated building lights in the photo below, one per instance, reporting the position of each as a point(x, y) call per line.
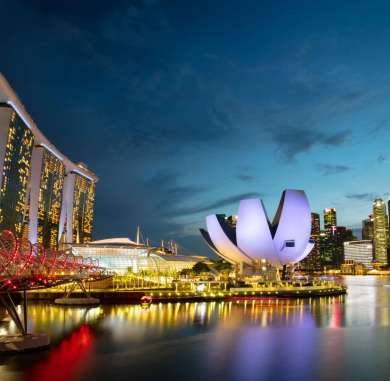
point(381, 231)
point(32, 185)
point(83, 200)
point(49, 200)
point(15, 176)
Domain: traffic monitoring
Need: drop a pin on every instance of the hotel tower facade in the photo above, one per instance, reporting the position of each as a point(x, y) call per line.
point(44, 196)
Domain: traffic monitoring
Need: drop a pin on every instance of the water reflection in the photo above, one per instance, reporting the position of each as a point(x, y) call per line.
point(66, 361)
point(54, 320)
point(324, 312)
point(248, 340)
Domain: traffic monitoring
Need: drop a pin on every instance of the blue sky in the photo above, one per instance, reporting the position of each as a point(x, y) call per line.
point(183, 108)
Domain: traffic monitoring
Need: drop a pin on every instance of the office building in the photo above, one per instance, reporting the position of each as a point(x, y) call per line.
point(360, 252)
point(313, 261)
point(368, 228)
point(330, 219)
point(381, 232)
point(341, 234)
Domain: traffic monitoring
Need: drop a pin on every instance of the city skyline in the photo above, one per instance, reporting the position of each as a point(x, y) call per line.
point(186, 113)
point(194, 190)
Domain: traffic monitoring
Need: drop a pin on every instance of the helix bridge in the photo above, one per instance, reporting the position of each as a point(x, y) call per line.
point(25, 266)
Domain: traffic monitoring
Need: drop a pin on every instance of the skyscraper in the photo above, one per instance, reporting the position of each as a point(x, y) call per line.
point(381, 231)
point(388, 216)
point(47, 201)
point(341, 234)
point(328, 244)
point(16, 145)
point(83, 199)
point(313, 261)
point(368, 228)
point(43, 194)
point(330, 219)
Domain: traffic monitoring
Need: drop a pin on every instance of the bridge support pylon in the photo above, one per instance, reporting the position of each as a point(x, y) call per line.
point(84, 300)
point(23, 341)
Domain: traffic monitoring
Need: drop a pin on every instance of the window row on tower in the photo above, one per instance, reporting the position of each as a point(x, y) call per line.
point(44, 196)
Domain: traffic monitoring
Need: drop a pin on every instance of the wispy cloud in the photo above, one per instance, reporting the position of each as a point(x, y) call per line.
point(369, 196)
point(361, 196)
point(381, 158)
point(330, 169)
point(245, 177)
point(292, 141)
point(215, 206)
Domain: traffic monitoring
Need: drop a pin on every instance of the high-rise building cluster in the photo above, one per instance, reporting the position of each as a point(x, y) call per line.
point(336, 247)
point(372, 251)
point(328, 251)
point(44, 196)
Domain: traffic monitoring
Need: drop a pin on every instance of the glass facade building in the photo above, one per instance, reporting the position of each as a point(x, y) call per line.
point(330, 219)
point(122, 256)
point(368, 228)
point(15, 175)
point(313, 261)
point(381, 231)
point(331, 251)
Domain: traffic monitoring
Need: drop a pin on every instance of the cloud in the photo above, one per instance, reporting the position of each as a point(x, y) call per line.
point(245, 178)
point(291, 141)
point(367, 196)
point(132, 99)
point(361, 196)
point(330, 169)
point(152, 202)
point(214, 206)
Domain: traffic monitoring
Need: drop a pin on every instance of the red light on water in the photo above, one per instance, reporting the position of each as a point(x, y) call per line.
point(65, 361)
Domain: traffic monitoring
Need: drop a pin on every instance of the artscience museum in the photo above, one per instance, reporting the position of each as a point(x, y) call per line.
point(252, 238)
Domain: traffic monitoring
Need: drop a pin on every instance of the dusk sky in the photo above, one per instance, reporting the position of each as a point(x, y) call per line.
point(182, 108)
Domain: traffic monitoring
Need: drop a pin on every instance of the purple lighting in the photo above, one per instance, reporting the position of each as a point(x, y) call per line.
point(286, 240)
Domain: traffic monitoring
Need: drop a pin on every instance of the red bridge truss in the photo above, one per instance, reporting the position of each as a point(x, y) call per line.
point(24, 266)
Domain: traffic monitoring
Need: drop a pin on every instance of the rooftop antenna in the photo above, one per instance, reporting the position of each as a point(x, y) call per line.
point(138, 234)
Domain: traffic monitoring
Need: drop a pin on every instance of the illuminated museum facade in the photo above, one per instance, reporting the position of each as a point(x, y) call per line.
point(251, 238)
point(44, 196)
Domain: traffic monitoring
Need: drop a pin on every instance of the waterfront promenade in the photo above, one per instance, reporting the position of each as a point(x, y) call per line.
point(230, 340)
point(168, 295)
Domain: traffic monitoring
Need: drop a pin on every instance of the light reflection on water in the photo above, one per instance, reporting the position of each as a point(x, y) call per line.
point(328, 338)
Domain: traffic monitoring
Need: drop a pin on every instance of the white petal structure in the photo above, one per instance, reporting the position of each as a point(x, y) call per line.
point(253, 232)
point(222, 239)
point(286, 240)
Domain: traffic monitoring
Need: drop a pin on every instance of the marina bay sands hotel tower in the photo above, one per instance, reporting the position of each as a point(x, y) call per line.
point(44, 196)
